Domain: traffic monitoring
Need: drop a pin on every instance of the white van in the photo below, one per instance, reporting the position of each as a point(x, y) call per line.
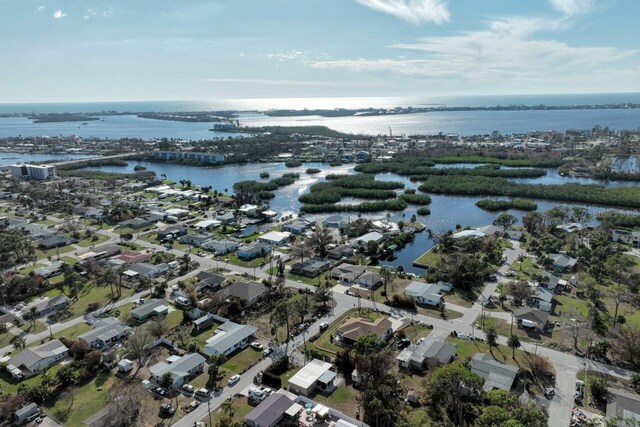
point(256, 394)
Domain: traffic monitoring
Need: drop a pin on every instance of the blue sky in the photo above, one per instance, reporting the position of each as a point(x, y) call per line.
point(88, 50)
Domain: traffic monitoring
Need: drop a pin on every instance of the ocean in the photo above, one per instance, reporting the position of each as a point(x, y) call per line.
point(461, 122)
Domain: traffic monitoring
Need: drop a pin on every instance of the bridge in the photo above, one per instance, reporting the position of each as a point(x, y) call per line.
point(85, 159)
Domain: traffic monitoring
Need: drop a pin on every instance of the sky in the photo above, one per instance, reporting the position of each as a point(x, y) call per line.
point(121, 50)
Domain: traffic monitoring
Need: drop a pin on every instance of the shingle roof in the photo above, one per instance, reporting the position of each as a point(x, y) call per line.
point(247, 291)
point(270, 410)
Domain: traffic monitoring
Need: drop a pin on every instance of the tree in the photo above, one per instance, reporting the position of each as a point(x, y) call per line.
point(618, 266)
point(19, 343)
point(366, 344)
point(372, 248)
point(505, 221)
point(387, 275)
point(626, 344)
point(619, 294)
point(281, 315)
point(157, 327)
point(504, 409)
point(513, 341)
point(521, 259)
point(380, 391)
point(463, 390)
point(319, 240)
point(539, 366)
point(123, 403)
point(136, 346)
point(491, 336)
point(322, 296)
point(519, 292)
point(215, 362)
point(301, 250)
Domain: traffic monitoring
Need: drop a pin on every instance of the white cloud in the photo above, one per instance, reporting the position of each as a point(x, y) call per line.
point(506, 49)
point(40, 8)
point(296, 55)
point(279, 82)
point(414, 11)
point(58, 14)
point(92, 13)
point(572, 7)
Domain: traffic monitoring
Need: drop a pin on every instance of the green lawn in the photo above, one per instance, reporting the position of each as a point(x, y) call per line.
point(5, 339)
point(85, 243)
point(81, 402)
point(53, 253)
point(29, 328)
point(91, 293)
point(202, 337)
point(10, 386)
point(466, 349)
point(415, 331)
point(69, 260)
point(241, 361)
point(256, 262)
point(173, 319)
point(25, 271)
point(341, 396)
point(435, 312)
point(428, 259)
point(324, 343)
point(239, 409)
point(308, 280)
point(74, 332)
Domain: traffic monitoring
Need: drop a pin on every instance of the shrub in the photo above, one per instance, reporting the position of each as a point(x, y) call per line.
point(293, 163)
point(311, 171)
point(416, 199)
point(424, 211)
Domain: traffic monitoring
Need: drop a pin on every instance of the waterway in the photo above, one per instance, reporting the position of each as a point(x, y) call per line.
point(446, 211)
point(12, 158)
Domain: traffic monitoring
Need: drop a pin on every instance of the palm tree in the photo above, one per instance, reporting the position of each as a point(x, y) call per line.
point(521, 259)
point(492, 338)
point(19, 343)
point(513, 341)
point(387, 277)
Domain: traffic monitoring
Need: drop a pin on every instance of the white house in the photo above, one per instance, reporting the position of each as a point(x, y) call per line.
point(180, 369)
point(425, 293)
point(275, 238)
point(105, 332)
point(364, 240)
point(29, 362)
point(208, 224)
point(314, 375)
point(228, 338)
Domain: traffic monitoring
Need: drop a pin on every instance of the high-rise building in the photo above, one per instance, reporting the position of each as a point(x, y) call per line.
point(39, 172)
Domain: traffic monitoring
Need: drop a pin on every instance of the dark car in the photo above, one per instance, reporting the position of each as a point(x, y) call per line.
point(404, 342)
point(167, 409)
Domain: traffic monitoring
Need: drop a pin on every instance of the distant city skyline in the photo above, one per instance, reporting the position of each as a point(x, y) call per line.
point(64, 51)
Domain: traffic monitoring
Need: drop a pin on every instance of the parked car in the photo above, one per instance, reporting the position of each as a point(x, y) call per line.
point(191, 406)
point(323, 326)
point(233, 380)
point(160, 391)
point(188, 388)
point(404, 342)
point(203, 392)
point(267, 351)
point(167, 409)
point(256, 346)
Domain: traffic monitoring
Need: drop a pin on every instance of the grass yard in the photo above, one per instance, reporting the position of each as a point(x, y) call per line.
point(467, 348)
point(202, 337)
point(25, 271)
point(53, 253)
point(85, 243)
point(239, 409)
point(69, 260)
point(435, 312)
point(256, 262)
point(308, 280)
point(341, 399)
point(7, 385)
point(415, 331)
point(5, 339)
point(91, 293)
point(80, 402)
point(324, 343)
point(243, 360)
point(73, 332)
point(428, 259)
point(30, 328)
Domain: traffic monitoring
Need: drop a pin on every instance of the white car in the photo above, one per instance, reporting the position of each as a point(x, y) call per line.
point(188, 388)
point(233, 380)
point(256, 345)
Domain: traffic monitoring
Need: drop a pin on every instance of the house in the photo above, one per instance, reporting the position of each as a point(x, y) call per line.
point(171, 233)
point(370, 279)
point(47, 306)
point(27, 412)
point(425, 293)
point(131, 257)
point(210, 280)
point(32, 360)
point(228, 338)
point(55, 242)
point(297, 227)
point(180, 370)
point(433, 349)
point(275, 238)
point(205, 322)
point(531, 318)
point(105, 332)
point(249, 210)
point(491, 230)
point(197, 239)
point(542, 299)
point(177, 212)
point(147, 270)
point(364, 240)
point(553, 282)
point(314, 376)
point(362, 157)
point(311, 268)
point(137, 223)
point(562, 262)
point(341, 251)
point(226, 218)
point(271, 411)
point(101, 252)
point(571, 227)
point(497, 375)
point(50, 270)
point(253, 250)
point(249, 292)
point(622, 404)
point(208, 224)
point(154, 307)
point(347, 273)
point(125, 366)
point(220, 247)
point(335, 221)
point(356, 327)
point(476, 234)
